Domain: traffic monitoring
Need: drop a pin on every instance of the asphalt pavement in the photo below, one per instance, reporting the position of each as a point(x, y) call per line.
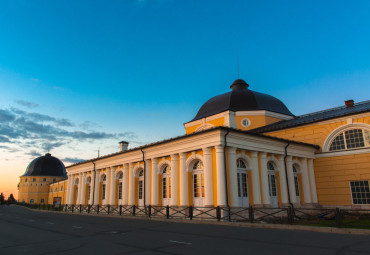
point(25, 231)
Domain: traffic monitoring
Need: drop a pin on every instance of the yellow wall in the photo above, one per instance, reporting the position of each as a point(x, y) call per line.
point(36, 188)
point(255, 121)
point(61, 191)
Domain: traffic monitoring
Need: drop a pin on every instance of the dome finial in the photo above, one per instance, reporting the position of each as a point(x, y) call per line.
point(239, 84)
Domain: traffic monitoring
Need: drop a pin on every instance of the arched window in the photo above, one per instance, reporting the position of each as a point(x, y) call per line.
point(272, 183)
point(103, 187)
point(350, 139)
point(120, 176)
point(241, 164)
point(296, 181)
point(141, 173)
point(120, 184)
point(166, 184)
point(198, 165)
point(270, 166)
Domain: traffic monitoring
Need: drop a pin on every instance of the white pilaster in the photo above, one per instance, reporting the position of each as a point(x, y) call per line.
point(83, 189)
point(79, 189)
point(174, 179)
point(183, 181)
point(92, 185)
point(69, 185)
point(125, 185)
point(154, 181)
point(96, 188)
point(264, 180)
point(306, 182)
point(255, 178)
point(112, 200)
point(291, 184)
point(147, 181)
point(233, 181)
point(311, 175)
point(131, 193)
point(221, 177)
point(208, 177)
point(283, 184)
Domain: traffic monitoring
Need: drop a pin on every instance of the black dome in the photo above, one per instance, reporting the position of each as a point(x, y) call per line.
point(46, 166)
point(240, 98)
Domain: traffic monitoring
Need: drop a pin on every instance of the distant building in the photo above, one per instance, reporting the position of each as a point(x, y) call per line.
point(35, 183)
point(242, 148)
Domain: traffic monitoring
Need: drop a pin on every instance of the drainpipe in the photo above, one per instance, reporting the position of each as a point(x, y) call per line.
point(286, 172)
point(227, 193)
point(93, 190)
point(144, 177)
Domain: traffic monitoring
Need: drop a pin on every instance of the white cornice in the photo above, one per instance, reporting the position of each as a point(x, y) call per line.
point(264, 112)
point(342, 153)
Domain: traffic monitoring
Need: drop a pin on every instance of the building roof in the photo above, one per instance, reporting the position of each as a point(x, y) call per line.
point(240, 98)
point(194, 134)
point(46, 166)
point(305, 119)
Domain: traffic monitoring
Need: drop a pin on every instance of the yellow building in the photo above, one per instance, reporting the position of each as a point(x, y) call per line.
point(35, 183)
point(242, 148)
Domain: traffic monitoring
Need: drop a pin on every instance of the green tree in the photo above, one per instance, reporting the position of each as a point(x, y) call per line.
point(2, 198)
point(11, 199)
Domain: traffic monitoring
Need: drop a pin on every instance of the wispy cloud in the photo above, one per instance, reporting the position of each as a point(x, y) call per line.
point(26, 104)
point(35, 80)
point(43, 132)
point(73, 160)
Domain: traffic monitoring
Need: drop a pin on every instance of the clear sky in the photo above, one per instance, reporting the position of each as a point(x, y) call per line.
point(76, 76)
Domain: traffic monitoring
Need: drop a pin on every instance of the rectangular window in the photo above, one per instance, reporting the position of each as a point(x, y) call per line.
point(244, 185)
point(360, 192)
point(239, 193)
point(140, 189)
point(34, 179)
point(42, 200)
point(88, 192)
point(103, 192)
point(196, 194)
point(296, 182)
point(61, 188)
point(120, 190)
point(164, 188)
point(169, 187)
point(44, 180)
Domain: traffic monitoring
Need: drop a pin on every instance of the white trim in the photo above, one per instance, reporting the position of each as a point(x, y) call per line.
point(329, 139)
point(204, 127)
point(161, 164)
point(264, 112)
point(191, 159)
point(342, 153)
point(245, 158)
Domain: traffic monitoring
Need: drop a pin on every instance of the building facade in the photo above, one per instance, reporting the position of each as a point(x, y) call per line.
point(243, 148)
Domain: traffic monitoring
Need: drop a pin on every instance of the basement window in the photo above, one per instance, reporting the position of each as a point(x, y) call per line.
point(360, 192)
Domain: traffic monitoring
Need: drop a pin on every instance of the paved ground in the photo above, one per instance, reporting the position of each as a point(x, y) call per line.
point(23, 231)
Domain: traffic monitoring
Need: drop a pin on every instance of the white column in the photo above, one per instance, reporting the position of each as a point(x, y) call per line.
point(233, 181)
point(125, 185)
point(107, 187)
point(96, 188)
point(306, 182)
point(154, 181)
point(131, 193)
point(79, 190)
point(68, 199)
point(174, 180)
point(221, 177)
point(112, 200)
point(92, 185)
point(291, 184)
point(255, 178)
point(311, 175)
point(71, 190)
point(283, 184)
point(83, 189)
point(208, 177)
point(183, 181)
point(264, 180)
point(147, 181)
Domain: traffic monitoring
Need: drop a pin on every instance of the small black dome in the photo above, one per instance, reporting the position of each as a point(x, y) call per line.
point(240, 98)
point(46, 166)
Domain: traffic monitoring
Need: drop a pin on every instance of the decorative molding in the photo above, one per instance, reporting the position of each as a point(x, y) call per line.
point(265, 113)
point(329, 139)
point(342, 153)
point(191, 159)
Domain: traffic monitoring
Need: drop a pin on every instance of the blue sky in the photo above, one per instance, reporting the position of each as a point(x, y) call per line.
point(97, 72)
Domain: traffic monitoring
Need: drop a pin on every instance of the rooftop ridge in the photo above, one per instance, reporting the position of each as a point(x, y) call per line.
point(332, 109)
